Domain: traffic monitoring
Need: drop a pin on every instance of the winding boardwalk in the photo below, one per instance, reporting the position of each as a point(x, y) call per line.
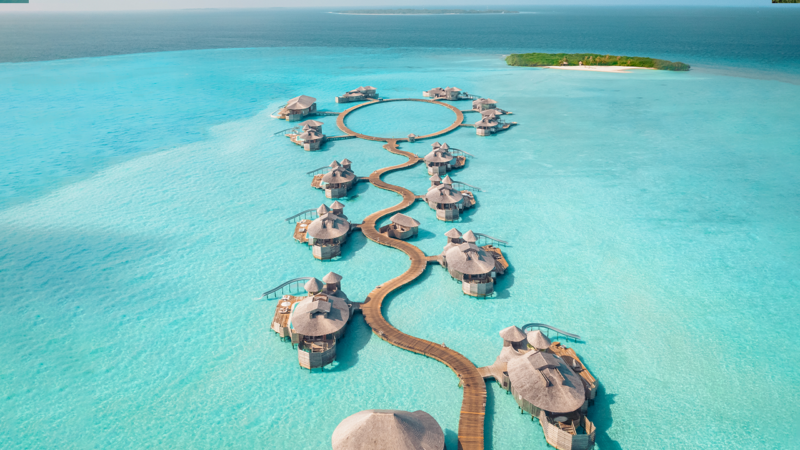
point(473, 407)
point(340, 120)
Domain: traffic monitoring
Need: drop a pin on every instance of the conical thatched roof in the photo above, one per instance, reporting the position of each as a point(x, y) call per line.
point(382, 429)
point(339, 175)
point(313, 285)
point(469, 259)
point(453, 233)
point(469, 236)
point(334, 164)
point(322, 210)
point(328, 226)
point(311, 123)
point(538, 340)
point(547, 382)
point(337, 205)
point(320, 315)
point(444, 194)
point(346, 162)
point(435, 177)
point(447, 180)
point(512, 334)
point(331, 278)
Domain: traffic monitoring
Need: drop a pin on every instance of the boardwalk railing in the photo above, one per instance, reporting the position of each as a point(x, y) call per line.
point(549, 328)
point(302, 215)
point(275, 114)
point(278, 291)
point(491, 239)
point(320, 170)
point(468, 187)
point(458, 152)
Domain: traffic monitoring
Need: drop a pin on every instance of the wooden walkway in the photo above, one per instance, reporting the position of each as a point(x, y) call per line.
point(340, 120)
point(473, 407)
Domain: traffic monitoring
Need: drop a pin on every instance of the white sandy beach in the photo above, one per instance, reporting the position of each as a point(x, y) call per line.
point(619, 69)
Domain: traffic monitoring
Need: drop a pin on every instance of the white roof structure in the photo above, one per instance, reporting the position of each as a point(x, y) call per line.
point(453, 234)
point(301, 102)
point(547, 382)
point(319, 315)
point(328, 226)
point(469, 259)
point(469, 236)
point(381, 429)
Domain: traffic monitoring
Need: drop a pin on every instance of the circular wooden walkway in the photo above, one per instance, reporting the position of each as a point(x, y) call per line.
point(340, 120)
point(473, 406)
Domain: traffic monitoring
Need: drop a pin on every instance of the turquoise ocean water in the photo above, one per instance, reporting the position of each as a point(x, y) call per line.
point(141, 212)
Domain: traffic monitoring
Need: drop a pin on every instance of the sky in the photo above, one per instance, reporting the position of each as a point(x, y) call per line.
point(124, 5)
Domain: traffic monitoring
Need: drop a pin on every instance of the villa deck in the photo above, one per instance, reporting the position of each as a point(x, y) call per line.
point(499, 259)
point(317, 181)
point(300, 231)
point(280, 322)
point(469, 199)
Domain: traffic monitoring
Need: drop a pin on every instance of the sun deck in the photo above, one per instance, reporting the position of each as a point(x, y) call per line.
point(300, 231)
point(500, 260)
point(280, 322)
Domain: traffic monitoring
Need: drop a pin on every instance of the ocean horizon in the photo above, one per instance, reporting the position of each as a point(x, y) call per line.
point(144, 187)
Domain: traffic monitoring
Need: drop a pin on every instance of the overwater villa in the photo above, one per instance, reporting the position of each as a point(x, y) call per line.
point(490, 124)
point(338, 181)
point(440, 161)
point(447, 200)
point(476, 267)
point(549, 382)
point(311, 137)
point(297, 108)
point(448, 93)
point(314, 322)
point(358, 95)
point(384, 429)
point(401, 227)
point(326, 233)
point(483, 104)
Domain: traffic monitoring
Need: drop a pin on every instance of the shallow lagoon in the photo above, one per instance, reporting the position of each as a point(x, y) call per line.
point(652, 213)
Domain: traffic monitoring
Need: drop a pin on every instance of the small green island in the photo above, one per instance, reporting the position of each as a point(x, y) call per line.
point(590, 59)
point(426, 11)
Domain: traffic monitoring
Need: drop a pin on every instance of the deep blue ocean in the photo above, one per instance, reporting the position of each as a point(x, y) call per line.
point(143, 192)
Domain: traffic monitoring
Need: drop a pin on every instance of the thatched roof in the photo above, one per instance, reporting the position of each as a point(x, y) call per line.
point(332, 278)
point(444, 194)
point(453, 234)
point(469, 236)
point(491, 112)
point(310, 135)
point(301, 102)
point(447, 180)
point(469, 259)
point(547, 382)
point(328, 226)
point(538, 340)
point(366, 88)
point(322, 210)
point(484, 101)
point(346, 162)
point(486, 121)
point(311, 123)
point(435, 177)
point(338, 175)
point(320, 314)
point(436, 90)
point(453, 89)
point(404, 220)
point(436, 145)
point(444, 146)
point(337, 205)
point(382, 429)
point(313, 285)
point(439, 155)
point(512, 334)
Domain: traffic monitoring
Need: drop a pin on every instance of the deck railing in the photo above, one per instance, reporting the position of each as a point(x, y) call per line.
point(548, 329)
point(288, 285)
point(320, 170)
point(491, 239)
point(468, 187)
point(455, 151)
point(302, 215)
